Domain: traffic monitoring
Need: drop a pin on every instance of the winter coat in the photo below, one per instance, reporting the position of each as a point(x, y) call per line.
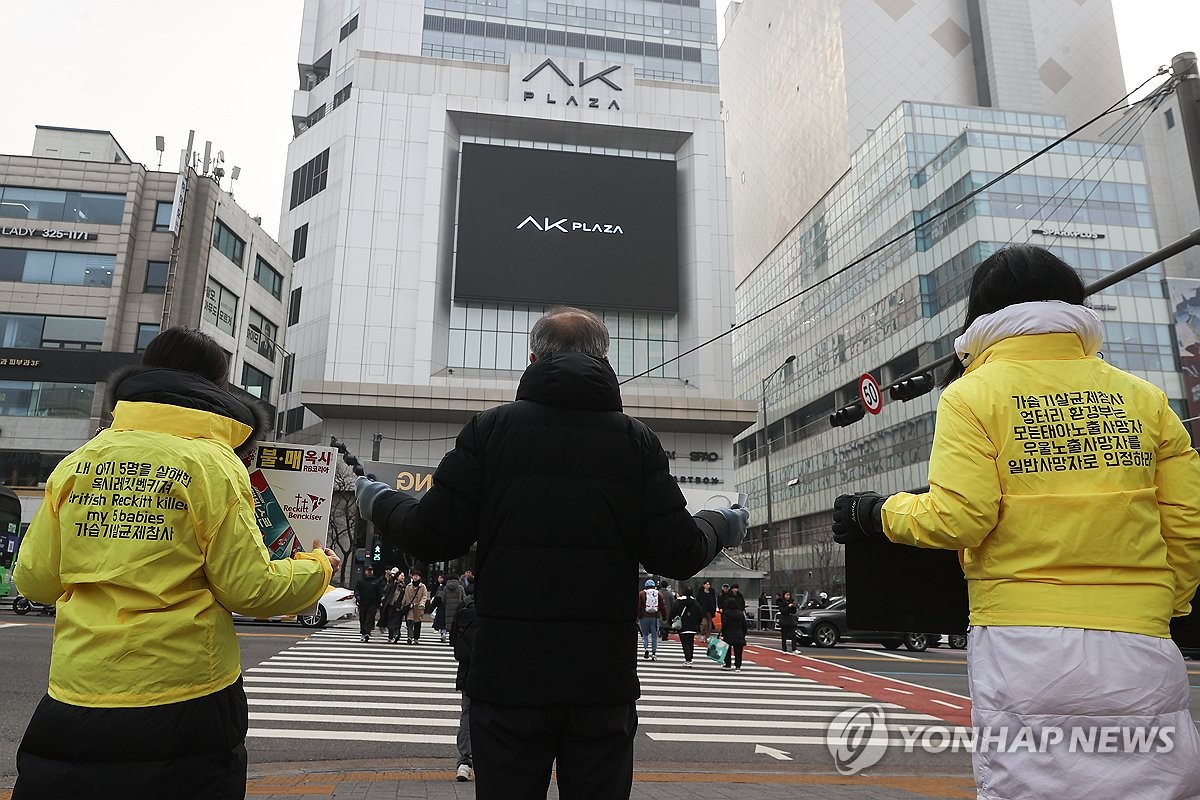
point(452, 599)
point(733, 623)
point(691, 613)
point(787, 615)
point(662, 609)
point(559, 482)
point(462, 639)
point(367, 591)
point(1070, 487)
point(416, 595)
point(707, 601)
point(147, 540)
point(393, 592)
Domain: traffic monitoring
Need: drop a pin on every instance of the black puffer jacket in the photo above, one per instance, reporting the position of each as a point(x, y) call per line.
point(558, 483)
point(690, 611)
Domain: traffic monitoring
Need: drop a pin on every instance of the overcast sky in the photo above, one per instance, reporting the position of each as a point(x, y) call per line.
point(227, 69)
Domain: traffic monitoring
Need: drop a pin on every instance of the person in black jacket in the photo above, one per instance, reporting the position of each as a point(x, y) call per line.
point(733, 631)
point(707, 598)
point(787, 621)
point(367, 593)
point(557, 483)
point(690, 614)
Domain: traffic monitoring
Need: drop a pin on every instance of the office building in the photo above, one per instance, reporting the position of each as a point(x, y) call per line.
point(460, 167)
point(97, 254)
point(1088, 201)
point(804, 84)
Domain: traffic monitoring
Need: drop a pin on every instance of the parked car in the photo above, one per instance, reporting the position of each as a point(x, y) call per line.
point(826, 627)
point(337, 603)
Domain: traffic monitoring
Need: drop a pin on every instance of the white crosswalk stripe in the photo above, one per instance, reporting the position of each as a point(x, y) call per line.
point(404, 692)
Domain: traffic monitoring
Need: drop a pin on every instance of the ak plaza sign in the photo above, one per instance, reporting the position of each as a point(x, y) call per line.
point(559, 82)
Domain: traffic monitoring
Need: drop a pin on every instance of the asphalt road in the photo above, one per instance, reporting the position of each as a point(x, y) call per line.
point(328, 698)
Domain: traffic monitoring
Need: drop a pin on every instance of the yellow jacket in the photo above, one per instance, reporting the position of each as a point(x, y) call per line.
point(1070, 487)
point(147, 540)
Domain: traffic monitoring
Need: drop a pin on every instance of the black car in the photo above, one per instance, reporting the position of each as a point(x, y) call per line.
point(825, 627)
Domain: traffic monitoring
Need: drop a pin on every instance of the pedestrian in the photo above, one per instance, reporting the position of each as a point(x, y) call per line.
point(462, 639)
point(735, 594)
point(145, 688)
point(366, 596)
point(1075, 563)
point(453, 597)
point(733, 631)
point(723, 596)
point(788, 612)
point(395, 602)
point(468, 581)
point(651, 611)
point(560, 482)
point(385, 592)
point(688, 611)
point(668, 597)
point(412, 607)
point(435, 607)
point(707, 598)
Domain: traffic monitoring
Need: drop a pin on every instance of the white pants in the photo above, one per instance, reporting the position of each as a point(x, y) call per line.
point(1081, 680)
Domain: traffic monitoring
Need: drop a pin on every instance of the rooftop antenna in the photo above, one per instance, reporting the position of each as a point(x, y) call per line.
point(207, 157)
point(233, 176)
point(160, 144)
point(218, 169)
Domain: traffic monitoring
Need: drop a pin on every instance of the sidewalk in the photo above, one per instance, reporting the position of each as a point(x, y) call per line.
point(436, 782)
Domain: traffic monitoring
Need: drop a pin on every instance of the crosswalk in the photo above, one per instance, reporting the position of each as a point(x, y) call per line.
point(400, 693)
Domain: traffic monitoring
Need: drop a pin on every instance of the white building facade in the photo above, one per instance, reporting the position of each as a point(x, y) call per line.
point(461, 167)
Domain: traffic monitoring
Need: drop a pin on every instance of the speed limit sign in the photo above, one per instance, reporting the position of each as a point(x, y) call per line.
point(870, 394)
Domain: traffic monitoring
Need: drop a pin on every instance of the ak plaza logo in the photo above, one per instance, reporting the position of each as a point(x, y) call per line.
point(858, 738)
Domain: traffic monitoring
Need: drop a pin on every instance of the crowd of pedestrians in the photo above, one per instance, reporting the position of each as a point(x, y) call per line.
point(393, 602)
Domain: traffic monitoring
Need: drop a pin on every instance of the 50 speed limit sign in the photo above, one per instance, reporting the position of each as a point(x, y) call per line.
point(870, 394)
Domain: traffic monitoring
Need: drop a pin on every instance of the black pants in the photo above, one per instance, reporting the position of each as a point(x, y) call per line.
point(734, 652)
point(394, 624)
point(788, 635)
point(688, 640)
point(414, 629)
point(194, 749)
point(515, 747)
point(366, 618)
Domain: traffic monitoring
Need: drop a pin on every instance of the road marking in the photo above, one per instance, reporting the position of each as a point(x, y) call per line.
point(944, 703)
point(897, 691)
point(886, 654)
point(778, 755)
point(13, 624)
point(813, 669)
point(352, 736)
point(848, 678)
point(738, 738)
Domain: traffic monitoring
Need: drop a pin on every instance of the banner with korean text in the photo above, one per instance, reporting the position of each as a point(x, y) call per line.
point(292, 487)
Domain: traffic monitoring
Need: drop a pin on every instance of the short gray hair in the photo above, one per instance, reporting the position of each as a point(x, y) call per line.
point(569, 330)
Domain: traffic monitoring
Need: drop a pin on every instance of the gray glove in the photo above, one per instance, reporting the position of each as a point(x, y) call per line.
point(367, 492)
point(736, 519)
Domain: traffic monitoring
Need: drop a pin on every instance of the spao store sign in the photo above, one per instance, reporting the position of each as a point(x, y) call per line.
point(588, 86)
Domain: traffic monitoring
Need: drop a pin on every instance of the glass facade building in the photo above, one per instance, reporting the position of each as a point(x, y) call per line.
point(902, 306)
point(671, 40)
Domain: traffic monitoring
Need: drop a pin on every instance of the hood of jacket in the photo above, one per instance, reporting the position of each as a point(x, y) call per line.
point(571, 380)
point(172, 387)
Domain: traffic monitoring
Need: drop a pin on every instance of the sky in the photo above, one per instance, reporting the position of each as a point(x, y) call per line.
point(227, 69)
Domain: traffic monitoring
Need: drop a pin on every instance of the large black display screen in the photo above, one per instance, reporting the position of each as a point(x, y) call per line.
point(549, 227)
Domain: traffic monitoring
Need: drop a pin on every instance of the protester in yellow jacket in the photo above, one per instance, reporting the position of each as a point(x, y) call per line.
point(1073, 493)
point(146, 540)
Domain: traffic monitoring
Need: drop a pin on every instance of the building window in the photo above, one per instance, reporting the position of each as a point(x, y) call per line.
point(38, 399)
point(146, 332)
point(263, 335)
point(220, 307)
point(35, 331)
point(162, 215)
point(266, 277)
point(300, 242)
point(294, 306)
point(310, 179)
point(1170, 116)
point(293, 420)
point(52, 205)
point(228, 242)
point(62, 269)
point(256, 382)
point(156, 276)
point(349, 28)
point(285, 375)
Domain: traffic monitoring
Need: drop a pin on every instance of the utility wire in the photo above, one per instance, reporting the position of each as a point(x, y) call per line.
point(900, 237)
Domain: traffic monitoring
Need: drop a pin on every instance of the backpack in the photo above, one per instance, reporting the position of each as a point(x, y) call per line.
point(652, 601)
point(462, 632)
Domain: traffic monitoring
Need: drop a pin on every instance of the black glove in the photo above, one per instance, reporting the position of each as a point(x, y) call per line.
point(857, 517)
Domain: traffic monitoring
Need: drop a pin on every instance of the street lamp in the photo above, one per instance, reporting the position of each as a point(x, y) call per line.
point(767, 466)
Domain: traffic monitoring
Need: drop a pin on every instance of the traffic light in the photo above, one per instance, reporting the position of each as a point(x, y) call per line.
point(847, 415)
point(915, 386)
